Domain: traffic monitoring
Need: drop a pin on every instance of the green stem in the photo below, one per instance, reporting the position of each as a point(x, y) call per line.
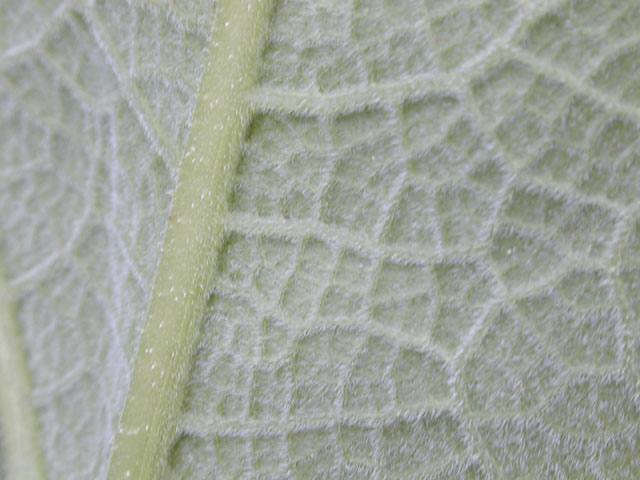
point(23, 456)
point(191, 242)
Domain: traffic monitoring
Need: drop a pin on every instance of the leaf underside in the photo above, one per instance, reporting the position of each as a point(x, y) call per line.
point(431, 259)
point(18, 424)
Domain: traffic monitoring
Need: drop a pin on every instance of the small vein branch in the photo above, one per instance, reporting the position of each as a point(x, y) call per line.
point(138, 103)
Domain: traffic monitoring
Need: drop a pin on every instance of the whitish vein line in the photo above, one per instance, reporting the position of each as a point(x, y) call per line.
point(250, 224)
point(388, 93)
point(576, 85)
point(16, 52)
point(136, 100)
point(22, 452)
point(191, 242)
point(314, 421)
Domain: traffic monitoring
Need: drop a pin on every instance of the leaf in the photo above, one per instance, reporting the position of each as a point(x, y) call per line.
point(18, 423)
point(94, 123)
point(182, 282)
point(431, 253)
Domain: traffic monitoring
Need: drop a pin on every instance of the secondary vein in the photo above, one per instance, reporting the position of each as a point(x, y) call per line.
point(22, 451)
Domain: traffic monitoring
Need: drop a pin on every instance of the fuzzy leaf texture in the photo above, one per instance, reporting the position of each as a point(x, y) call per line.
point(431, 255)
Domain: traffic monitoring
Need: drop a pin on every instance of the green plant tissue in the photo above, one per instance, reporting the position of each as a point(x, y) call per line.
point(430, 266)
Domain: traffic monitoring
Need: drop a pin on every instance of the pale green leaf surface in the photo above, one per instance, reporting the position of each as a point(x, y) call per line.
point(94, 103)
point(432, 261)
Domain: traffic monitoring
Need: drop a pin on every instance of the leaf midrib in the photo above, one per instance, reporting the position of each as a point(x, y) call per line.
point(192, 240)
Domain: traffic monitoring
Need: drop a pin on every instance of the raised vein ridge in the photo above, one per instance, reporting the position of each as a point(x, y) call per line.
point(191, 242)
point(23, 455)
